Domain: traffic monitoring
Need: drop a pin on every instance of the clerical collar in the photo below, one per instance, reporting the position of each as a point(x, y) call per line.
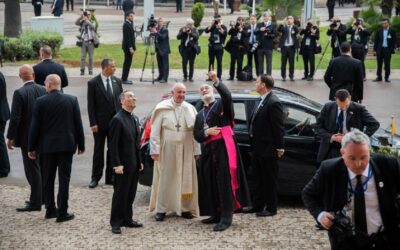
point(175, 103)
point(352, 175)
point(127, 112)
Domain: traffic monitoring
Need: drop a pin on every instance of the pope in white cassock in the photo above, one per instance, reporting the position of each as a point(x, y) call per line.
point(173, 149)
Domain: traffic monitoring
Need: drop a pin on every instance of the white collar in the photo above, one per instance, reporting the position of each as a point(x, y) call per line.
point(104, 78)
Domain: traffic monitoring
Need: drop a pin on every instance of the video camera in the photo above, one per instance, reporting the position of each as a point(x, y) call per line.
point(151, 23)
point(310, 26)
point(334, 24)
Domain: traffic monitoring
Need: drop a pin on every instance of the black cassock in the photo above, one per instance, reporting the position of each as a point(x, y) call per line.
point(214, 177)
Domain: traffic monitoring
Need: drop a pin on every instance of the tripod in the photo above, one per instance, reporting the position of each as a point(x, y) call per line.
point(150, 48)
point(323, 54)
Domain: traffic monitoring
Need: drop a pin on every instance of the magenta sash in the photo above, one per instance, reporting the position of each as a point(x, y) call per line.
point(227, 135)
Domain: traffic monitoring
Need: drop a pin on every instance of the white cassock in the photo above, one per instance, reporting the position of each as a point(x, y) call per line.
point(174, 186)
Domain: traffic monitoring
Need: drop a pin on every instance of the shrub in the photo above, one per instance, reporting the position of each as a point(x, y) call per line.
point(197, 14)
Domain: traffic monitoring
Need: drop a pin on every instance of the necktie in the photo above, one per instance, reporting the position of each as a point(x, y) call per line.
point(360, 218)
point(289, 35)
point(252, 34)
point(340, 122)
point(109, 91)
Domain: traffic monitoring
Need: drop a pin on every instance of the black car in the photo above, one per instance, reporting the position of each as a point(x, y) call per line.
point(298, 164)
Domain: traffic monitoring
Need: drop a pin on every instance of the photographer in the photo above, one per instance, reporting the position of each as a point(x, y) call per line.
point(310, 36)
point(161, 34)
point(237, 46)
point(188, 48)
point(265, 32)
point(361, 186)
point(288, 45)
point(359, 41)
point(252, 44)
point(218, 33)
point(88, 39)
point(128, 45)
point(337, 31)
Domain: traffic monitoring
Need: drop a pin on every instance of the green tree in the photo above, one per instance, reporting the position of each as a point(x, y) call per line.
point(12, 18)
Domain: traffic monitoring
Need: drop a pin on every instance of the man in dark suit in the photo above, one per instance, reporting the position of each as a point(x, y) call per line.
point(307, 48)
point(189, 37)
point(238, 43)
point(266, 136)
point(127, 6)
point(128, 45)
point(345, 72)
point(18, 131)
point(384, 46)
point(331, 8)
point(70, 2)
point(362, 186)
point(288, 45)
point(103, 103)
point(162, 50)
point(252, 44)
point(37, 7)
point(337, 32)
point(55, 133)
point(124, 144)
point(265, 33)
point(47, 66)
point(336, 119)
point(359, 37)
point(4, 116)
point(57, 7)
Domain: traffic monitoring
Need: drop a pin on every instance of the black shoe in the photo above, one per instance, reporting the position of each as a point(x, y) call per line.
point(28, 208)
point(82, 72)
point(51, 213)
point(185, 79)
point(133, 223)
point(93, 184)
point(127, 82)
point(190, 79)
point(310, 78)
point(283, 79)
point(159, 216)
point(304, 78)
point(3, 175)
point(387, 80)
point(250, 210)
point(265, 213)
point(116, 230)
point(163, 81)
point(187, 215)
point(378, 79)
point(211, 220)
point(223, 224)
point(291, 79)
point(65, 217)
point(157, 79)
point(230, 79)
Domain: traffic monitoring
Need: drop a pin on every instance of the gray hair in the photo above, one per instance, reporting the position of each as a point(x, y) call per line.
point(189, 21)
point(266, 13)
point(355, 136)
point(178, 84)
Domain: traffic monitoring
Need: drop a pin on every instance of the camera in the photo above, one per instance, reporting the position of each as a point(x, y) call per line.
point(152, 22)
point(85, 13)
point(342, 227)
point(334, 24)
point(254, 47)
point(310, 26)
point(358, 22)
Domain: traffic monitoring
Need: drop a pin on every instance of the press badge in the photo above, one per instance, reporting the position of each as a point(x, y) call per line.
point(308, 42)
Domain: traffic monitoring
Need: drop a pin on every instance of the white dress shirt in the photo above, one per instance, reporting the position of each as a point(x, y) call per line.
point(104, 79)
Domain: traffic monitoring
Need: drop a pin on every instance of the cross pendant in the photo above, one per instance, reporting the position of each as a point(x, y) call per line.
point(177, 126)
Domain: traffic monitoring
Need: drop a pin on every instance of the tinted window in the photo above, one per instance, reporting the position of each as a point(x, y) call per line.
point(298, 121)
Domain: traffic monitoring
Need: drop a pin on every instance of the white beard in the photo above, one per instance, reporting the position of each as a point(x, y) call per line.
point(208, 98)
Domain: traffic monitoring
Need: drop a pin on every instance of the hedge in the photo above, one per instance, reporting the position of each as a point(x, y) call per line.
point(27, 46)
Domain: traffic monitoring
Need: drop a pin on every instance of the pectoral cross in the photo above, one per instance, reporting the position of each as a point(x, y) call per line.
point(178, 126)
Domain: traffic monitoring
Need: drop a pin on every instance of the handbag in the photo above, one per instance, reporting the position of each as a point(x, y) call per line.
point(197, 48)
point(317, 49)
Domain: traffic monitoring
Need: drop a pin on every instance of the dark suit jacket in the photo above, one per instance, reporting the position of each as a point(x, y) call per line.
point(340, 34)
point(56, 124)
point(268, 130)
point(327, 190)
point(58, 7)
point(283, 29)
point(183, 36)
point(100, 108)
point(345, 72)
point(127, 5)
point(266, 38)
point(214, 31)
point(128, 37)
point(391, 40)
point(124, 141)
point(4, 108)
point(21, 112)
point(238, 46)
point(37, 1)
point(364, 38)
point(162, 42)
point(357, 116)
point(308, 35)
point(47, 67)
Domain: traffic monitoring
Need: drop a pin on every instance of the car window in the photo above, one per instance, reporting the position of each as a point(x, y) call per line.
point(240, 112)
point(298, 121)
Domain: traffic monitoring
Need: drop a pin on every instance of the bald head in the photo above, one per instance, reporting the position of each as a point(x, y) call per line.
point(26, 73)
point(178, 92)
point(52, 82)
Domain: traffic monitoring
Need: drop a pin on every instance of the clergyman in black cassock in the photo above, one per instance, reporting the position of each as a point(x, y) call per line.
point(222, 184)
point(124, 145)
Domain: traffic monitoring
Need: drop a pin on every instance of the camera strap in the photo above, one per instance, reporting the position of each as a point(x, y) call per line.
point(364, 184)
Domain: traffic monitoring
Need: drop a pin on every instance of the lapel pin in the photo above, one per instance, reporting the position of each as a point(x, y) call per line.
point(381, 184)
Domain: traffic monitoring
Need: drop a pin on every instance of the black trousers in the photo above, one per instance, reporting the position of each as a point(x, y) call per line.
point(212, 55)
point(163, 66)
point(34, 176)
point(188, 57)
point(250, 56)
point(61, 161)
point(72, 4)
point(336, 52)
point(127, 65)
point(266, 193)
point(383, 56)
point(267, 54)
point(178, 5)
point(4, 160)
point(309, 62)
point(331, 11)
point(125, 186)
point(98, 158)
point(359, 53)
point(236, 59)
point(37, 8)
point(287, 55)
